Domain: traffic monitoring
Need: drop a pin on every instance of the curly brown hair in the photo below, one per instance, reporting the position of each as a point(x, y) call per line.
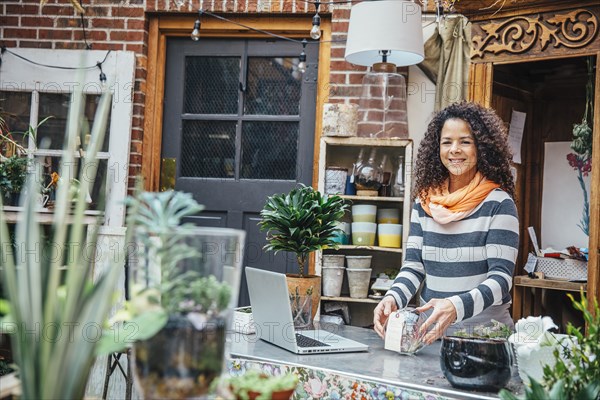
point(493, 153)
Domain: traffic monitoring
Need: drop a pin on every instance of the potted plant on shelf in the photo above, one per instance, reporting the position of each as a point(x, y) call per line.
point(257, 385)
point(301, 222)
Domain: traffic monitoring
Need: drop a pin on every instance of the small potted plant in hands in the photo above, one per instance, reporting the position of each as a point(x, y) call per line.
point(301, 222)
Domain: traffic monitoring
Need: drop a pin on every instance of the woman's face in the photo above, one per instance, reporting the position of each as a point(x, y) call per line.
point(457, 149)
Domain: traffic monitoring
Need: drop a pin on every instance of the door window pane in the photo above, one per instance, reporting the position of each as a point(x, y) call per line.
point(208, 149)
point(211, 85)
point(15, 108)
point(274, 86)
point(269, 150)
point(91, 104)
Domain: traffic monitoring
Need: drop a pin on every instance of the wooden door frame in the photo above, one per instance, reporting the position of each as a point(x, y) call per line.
point(480, 90)
point(162, 27)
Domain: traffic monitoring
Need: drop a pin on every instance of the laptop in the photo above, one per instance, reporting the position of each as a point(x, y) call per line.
point(272, 315)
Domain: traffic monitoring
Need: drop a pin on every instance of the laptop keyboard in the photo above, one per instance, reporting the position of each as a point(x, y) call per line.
point(305, 341)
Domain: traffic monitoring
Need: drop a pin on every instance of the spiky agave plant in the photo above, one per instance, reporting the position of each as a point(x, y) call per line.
point(301, 222)
point(55, 308)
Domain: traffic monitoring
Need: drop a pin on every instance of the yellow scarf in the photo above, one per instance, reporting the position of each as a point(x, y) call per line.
point(445, 207)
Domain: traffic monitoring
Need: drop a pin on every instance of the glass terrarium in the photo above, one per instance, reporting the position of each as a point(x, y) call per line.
point(402, 331)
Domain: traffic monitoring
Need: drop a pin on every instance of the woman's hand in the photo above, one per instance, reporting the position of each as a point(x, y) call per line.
point(443, 315)
point(382, 312)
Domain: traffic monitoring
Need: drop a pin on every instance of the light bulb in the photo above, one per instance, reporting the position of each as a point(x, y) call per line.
point(196, 32)
point(302, 66)
point(315, 32)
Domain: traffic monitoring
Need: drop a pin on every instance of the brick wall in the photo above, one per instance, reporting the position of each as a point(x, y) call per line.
point(123, 25)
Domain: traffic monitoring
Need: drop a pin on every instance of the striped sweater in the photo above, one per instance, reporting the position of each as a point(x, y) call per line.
point(470, 262)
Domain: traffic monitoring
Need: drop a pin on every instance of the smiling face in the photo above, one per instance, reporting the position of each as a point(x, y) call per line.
point(458, 152)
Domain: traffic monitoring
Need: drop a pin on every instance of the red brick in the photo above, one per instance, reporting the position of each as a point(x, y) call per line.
point(50, 9)
point(37, 21)
point(65, 22)
point(137, 24)
point(129, 12)
point(337, 78)
point(9, 21)
point(135, 159)
point(137, 134)
point(141, 62)
point(91, 35)
point(136, 147)
point(98, 11)
point(340, 13)
point(35, 45)
point(112, 23)
point(21, 33)
point(108, 46)
point(339, 27)
point(138, 110)
point(141, 73)
point(14, 9)
point(136, 48)
point(55, 34)
point(338, 52)
point(139, 97)
point(69, 45)
point(127, 36)
point(356, 79)
point(345, 66)
point(137, 122)
point(9, 43)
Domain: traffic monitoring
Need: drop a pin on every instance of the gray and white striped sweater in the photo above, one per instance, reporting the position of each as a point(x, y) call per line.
point(470, 262)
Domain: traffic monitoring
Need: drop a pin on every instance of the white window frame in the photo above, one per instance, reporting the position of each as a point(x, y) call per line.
point(19, 75)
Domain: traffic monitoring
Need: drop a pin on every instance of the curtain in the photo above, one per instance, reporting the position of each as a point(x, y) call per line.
point(447, 58)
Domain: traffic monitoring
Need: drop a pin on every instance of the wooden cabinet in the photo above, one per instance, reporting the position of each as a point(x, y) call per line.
point(343, 152)
point(544, 78)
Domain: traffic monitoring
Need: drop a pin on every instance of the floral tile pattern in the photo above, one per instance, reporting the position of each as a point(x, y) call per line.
point(317, 384)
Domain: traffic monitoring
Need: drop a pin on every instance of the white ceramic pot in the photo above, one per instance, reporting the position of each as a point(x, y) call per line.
point(358, 282)
point(364, 213)
point(363, 233)
point(389, 235)
point(388, 216)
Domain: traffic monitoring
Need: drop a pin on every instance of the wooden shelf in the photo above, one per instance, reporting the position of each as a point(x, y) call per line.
point(350, 299)
point(371, 248)
point(45, 216)
point(372, 198)
point(549, 284)
point(362, 141)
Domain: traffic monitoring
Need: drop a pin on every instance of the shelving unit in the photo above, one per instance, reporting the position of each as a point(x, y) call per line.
point(343, 152)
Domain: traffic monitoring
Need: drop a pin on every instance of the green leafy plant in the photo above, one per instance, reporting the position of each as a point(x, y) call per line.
point(13, 173)
point(576, 373)
point(301, 222)
point(51, 293)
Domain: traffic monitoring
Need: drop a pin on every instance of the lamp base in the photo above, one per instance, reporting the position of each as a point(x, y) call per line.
point(384, 67)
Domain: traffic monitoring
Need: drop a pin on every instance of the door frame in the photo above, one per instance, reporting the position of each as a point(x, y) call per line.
point(163, 26)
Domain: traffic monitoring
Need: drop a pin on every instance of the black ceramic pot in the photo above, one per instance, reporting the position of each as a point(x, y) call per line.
point(478, 364)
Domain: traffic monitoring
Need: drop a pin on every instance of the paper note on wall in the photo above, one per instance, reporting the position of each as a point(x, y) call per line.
point(515, 134)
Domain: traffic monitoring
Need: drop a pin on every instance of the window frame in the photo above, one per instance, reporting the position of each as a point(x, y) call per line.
point(17, 75)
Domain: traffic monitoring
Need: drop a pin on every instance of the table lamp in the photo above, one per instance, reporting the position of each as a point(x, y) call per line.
point(384, 34)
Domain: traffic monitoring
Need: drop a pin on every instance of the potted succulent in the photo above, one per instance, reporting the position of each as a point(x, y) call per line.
point(257, 385)
point(301, 222)
point(480, 359)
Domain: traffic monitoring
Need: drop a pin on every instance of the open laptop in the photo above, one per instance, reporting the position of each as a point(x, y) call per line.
point(272, 315)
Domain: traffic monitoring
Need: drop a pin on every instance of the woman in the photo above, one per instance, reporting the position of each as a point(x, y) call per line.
point(464, 230)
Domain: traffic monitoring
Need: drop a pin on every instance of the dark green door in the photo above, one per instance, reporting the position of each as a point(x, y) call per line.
point(239, 123)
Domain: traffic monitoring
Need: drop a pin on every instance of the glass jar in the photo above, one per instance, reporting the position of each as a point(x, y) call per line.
point(402, 331)
point(369, 175)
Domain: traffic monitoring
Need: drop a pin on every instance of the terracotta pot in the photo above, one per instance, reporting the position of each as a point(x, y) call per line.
point(279, 395)
point(303, 284)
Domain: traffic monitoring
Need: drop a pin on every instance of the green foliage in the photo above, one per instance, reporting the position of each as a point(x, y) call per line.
point(301, 222)
point(257, 381)
point(582, 366)
point(576, 374)
point(496, 330)
point(53, 300)
point(13, 173)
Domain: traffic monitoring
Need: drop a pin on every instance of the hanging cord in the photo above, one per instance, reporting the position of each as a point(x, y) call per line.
point(4, 49)
point(87, 45)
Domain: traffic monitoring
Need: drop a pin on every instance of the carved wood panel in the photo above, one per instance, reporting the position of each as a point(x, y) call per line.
point(561, 33)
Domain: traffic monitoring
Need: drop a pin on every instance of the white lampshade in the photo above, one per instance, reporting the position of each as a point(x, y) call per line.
point(393, 25)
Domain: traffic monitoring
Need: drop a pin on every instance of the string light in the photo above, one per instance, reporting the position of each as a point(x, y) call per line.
point(315, 32)
point(3, 49)
point(196, 31)
point(102, 74)
point(302, 58)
